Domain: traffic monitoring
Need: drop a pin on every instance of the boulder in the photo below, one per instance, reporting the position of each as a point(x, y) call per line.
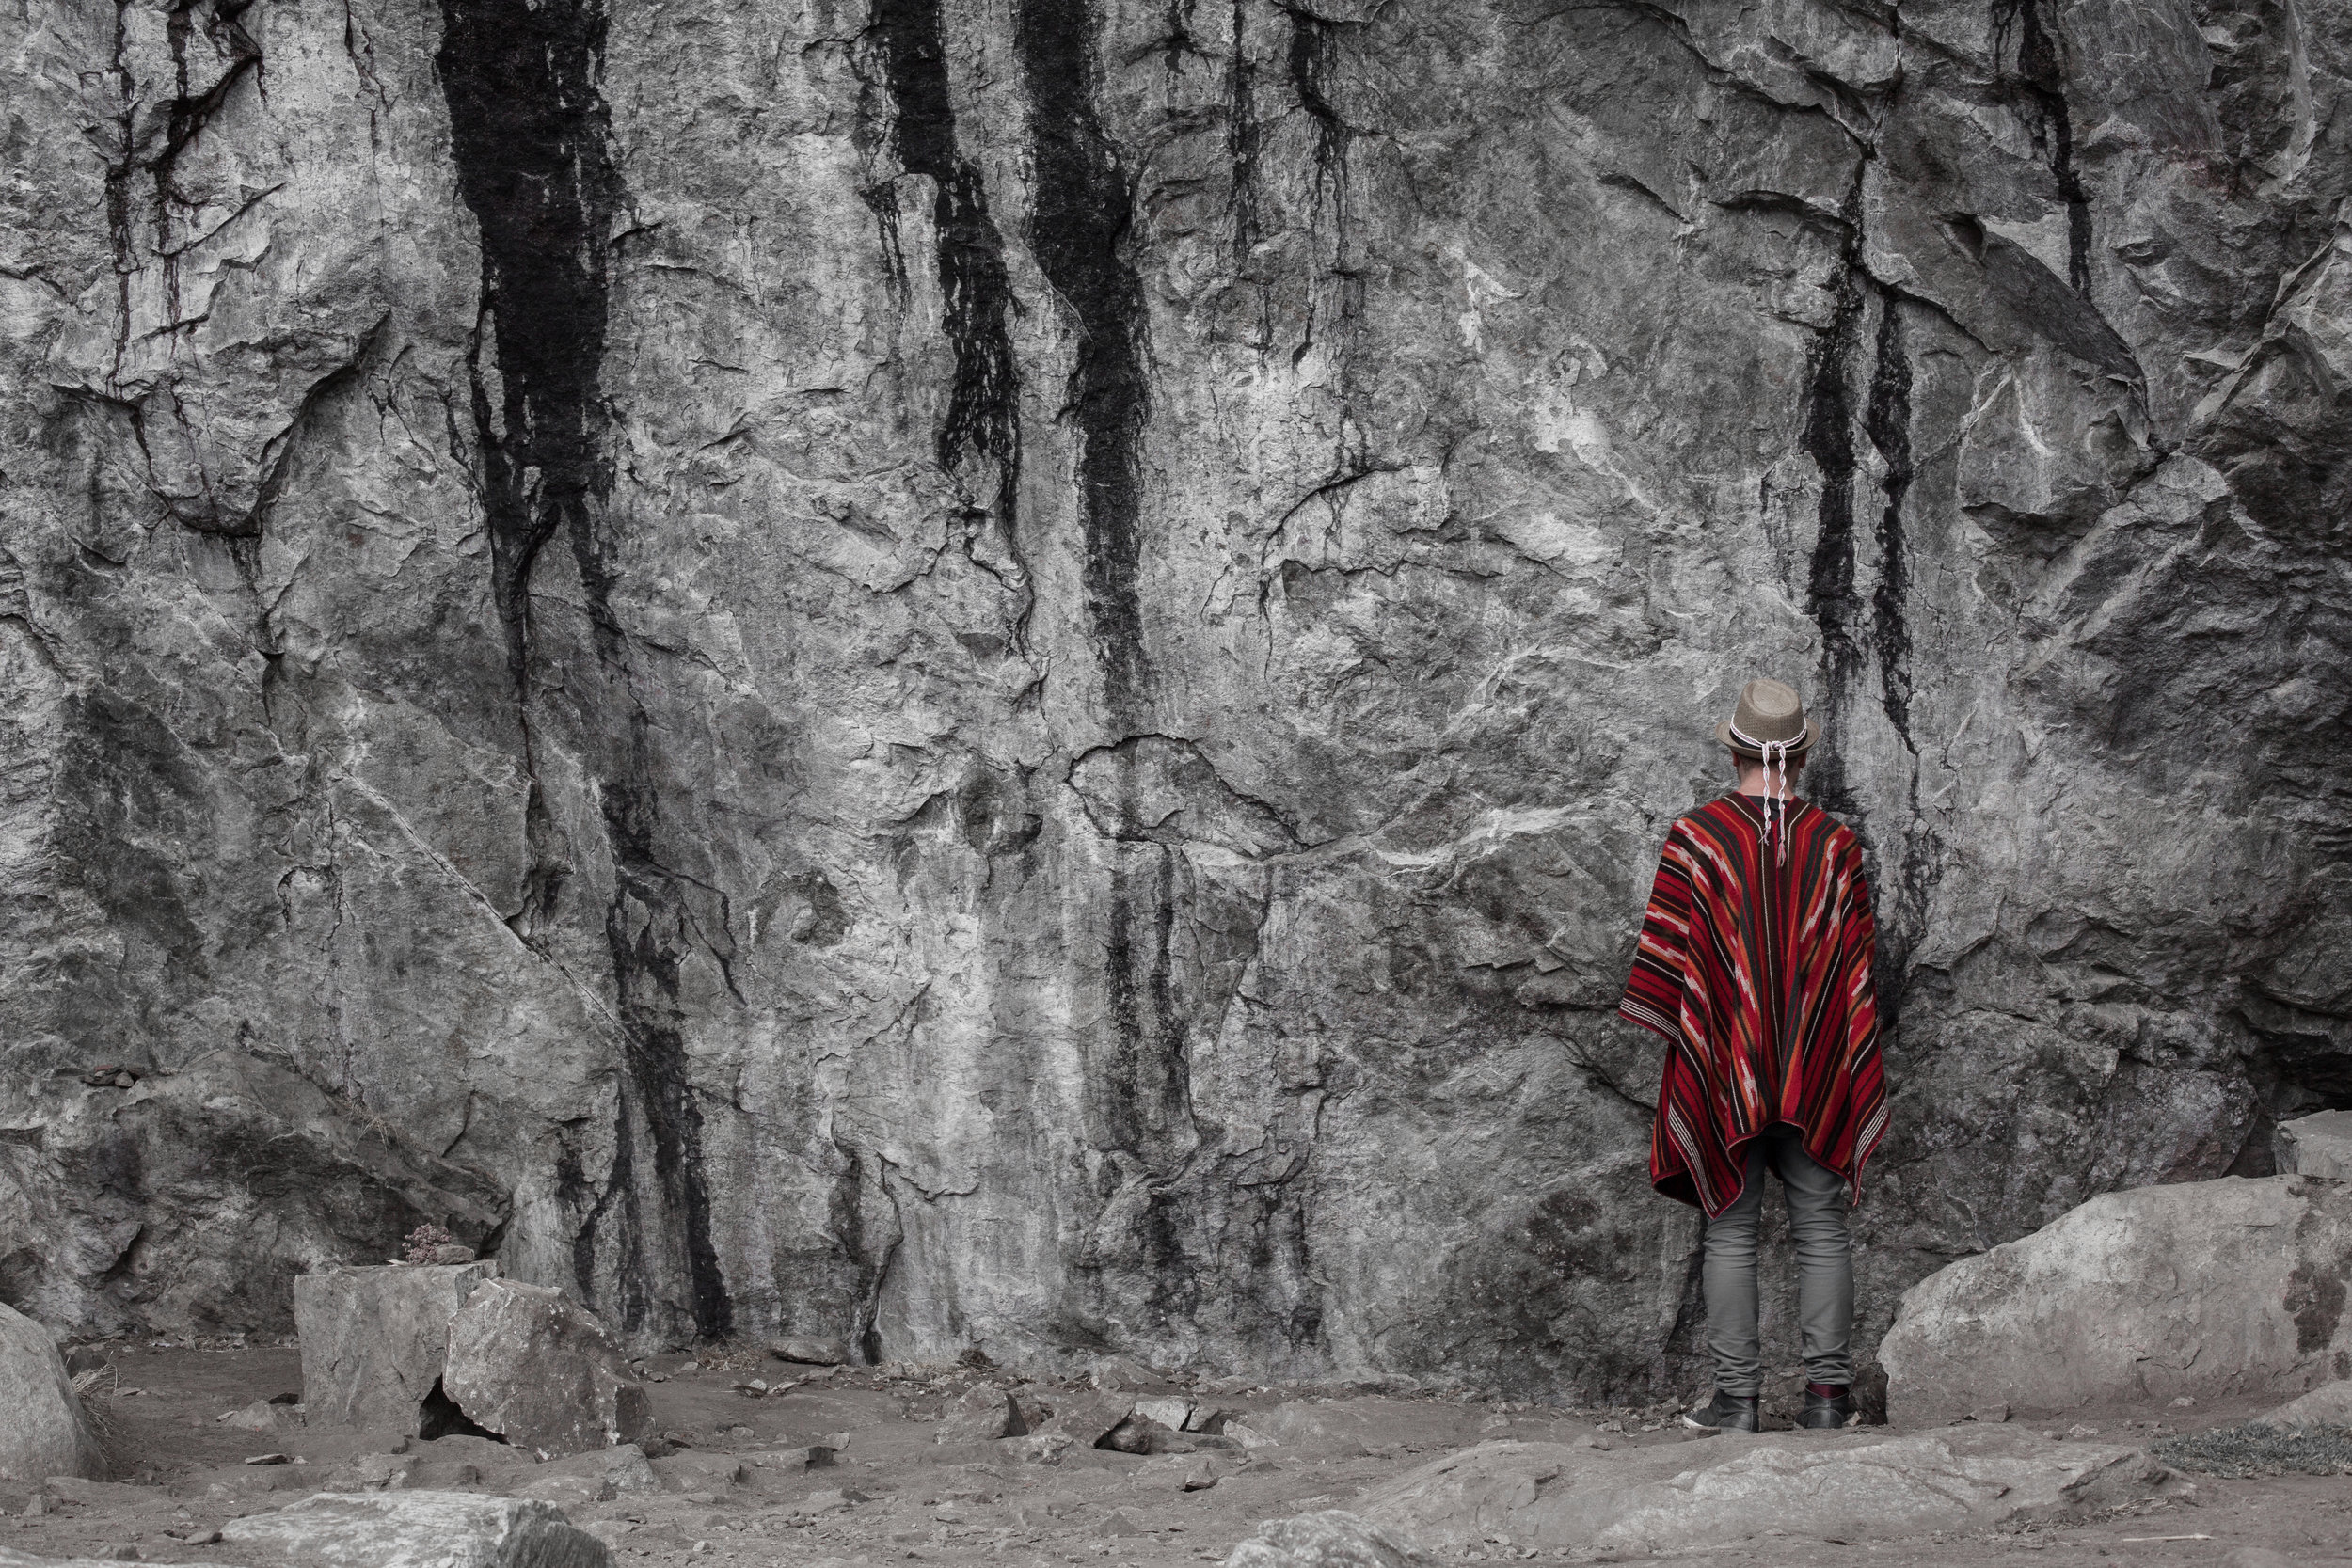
point(1332, 1539)
point(533, 1367)
point(983, 1414)
point(421, 1529)
point(373, 1339)
point(1140, 1434)
point(2329, 1405)
point(1850, 1486)
point(1085, 1419)
point(2316, 1146)
point(42, 1429)
point(2203, 1289)
point(809, 1351)
point(1172, 1411)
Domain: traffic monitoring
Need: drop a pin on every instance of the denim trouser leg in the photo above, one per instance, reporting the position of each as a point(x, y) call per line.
point(1817, 1219)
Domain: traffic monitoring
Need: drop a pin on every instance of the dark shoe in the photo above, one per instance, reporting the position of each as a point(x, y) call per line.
point(1724, 1413)
point(1829, 1410)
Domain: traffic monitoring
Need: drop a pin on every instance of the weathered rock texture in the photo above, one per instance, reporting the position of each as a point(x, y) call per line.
point(42, 1429)
point(526, 1363)
point(2317, 1145)
point(2209, 1289)
point(375, 1341)
point(1332, 1539)
point(418, 1530)
point(1847, 1488)
point(1005, 677)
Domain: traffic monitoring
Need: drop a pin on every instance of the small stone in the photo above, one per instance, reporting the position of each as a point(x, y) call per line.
point(1141, 1434)
point(1043, 1448)
point(1246, 1435)
point(1201, 1475)
point(1991, 1412)
point(2257, 1557)
point(269, 1459)
point(2184, 1403)
point(1168, 1410)
point(2078, 1432)
point(812, 1352)
point(1120, 1521)
point(1116, 1374)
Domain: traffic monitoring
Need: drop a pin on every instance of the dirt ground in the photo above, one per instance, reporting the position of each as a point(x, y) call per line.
point(734, 1484)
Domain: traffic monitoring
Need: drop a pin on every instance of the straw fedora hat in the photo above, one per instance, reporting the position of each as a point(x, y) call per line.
point(1768, 714)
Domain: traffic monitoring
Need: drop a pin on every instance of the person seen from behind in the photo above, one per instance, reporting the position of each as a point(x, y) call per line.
point(1755, 965)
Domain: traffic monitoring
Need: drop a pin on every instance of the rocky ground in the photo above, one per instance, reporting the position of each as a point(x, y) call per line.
point(731, 1475)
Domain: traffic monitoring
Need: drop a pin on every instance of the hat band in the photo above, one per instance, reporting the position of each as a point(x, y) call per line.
point(1744, 738)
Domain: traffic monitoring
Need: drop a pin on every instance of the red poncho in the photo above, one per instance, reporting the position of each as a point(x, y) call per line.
point(1756, 968)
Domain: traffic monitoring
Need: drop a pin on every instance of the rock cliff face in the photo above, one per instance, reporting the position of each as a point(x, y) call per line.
point(1005, 675)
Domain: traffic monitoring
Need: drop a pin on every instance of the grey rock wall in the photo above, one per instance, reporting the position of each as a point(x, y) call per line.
point(1004, 675)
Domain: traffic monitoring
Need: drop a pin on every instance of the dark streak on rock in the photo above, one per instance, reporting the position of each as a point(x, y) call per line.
point(1313, 51)
point(529, 137)
point(2040, 82)
point(984, 400)
point(1834, 599)
point(1887, 420)
point(1129, 1123)
point(527, 132)
point(1831, 597)
point(1242, 138)
point(1082, 211)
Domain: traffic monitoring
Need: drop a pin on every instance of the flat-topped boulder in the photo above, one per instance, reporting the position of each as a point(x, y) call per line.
point(416, 1529)
point(2328, 1405)
point(374, 1340)
point(42, 1429)
point(435, 1350)
point(2204, 1289)
point(2319, 1145)
point(1857, 1485)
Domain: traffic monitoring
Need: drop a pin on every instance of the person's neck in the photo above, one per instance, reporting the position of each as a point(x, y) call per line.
point(1768, 785)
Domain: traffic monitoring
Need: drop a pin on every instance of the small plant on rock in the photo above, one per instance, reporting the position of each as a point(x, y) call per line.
point(424, 1243)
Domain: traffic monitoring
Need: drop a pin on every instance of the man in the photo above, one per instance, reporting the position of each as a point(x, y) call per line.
point(1755, 965)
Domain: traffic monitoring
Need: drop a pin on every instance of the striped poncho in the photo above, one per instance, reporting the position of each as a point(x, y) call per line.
point(1756, 968)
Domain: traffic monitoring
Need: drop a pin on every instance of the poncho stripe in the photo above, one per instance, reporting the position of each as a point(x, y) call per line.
point(1756, 970)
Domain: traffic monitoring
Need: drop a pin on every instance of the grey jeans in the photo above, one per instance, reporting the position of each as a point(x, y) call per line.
point(1817, 1218)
